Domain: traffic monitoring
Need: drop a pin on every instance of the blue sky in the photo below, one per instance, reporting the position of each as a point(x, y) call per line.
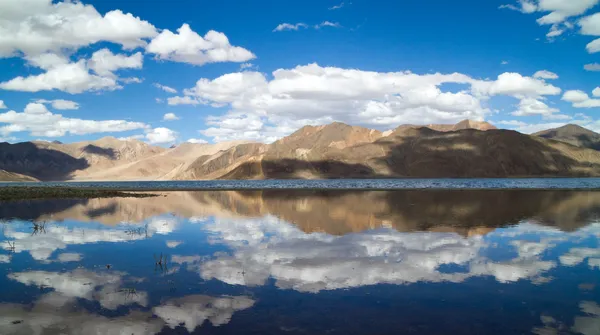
point(379, 64)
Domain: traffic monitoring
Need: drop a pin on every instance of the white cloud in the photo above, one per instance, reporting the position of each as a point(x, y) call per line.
point(174, 101)
point(298, 26)
point(327, 24)
point(161, 136)
point(170, 117)
point(188, 47)
point(60, 104)
point(544, 74)
point(133, 137)
point(592, 67)
point(264, 110)
point(197, 141)
point(69, 77)
point(525, 6)
point(504, 62)
point(2, 105)
point(512, 123)
point(104, 62)
point(561, 10)
point(36, 108)
point(38, 121)
point(580, 99)
point(248, 66)
point(593, 46)
point(40, 26)
point(590, 25)
point(340, 6)
point(158, 100)
point(596, 92)
point(289, 26)
point(165, 88)
point(131, 80)
point(516, 85)
point(531, 106)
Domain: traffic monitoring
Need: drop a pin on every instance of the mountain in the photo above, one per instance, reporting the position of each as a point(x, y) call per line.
point(409, 152)
point(573, 134)
point(462, 125)
point(336, 150)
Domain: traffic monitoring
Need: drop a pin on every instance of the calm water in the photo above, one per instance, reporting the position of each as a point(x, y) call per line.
point(388, 184)
point(304, 262)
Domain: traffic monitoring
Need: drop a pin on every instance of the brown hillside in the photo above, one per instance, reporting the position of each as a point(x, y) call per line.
point(423, 152)
point(573, 134)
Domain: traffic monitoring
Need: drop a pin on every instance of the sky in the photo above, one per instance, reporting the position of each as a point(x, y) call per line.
point(167, 72)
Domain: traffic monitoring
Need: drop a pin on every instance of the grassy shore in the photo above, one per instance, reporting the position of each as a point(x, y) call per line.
point(12, 193)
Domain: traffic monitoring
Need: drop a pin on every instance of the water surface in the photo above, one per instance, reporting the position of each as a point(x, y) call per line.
point(382, 184)
point(304, 262)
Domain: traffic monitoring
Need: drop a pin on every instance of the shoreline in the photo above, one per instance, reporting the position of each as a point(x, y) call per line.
point(18, 193)
point(98, 192)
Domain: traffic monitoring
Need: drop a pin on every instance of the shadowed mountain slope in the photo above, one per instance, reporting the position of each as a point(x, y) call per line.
point(573, 134)
point(336, 150)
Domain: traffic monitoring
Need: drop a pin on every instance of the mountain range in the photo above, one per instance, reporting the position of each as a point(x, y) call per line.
point(337, 150)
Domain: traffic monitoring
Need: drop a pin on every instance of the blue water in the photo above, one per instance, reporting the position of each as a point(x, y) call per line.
point(388, 184)
point(303, 262)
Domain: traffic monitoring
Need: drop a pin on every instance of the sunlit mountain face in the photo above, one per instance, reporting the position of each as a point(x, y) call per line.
point(303, 262)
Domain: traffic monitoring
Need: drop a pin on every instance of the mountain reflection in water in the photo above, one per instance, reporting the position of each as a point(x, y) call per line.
point(303, 262)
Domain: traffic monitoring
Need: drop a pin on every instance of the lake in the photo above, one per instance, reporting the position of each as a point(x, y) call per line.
point(304, 262)
point(383, 184)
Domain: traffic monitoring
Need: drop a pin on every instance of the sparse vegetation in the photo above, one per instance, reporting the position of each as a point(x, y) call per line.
point(13, 193)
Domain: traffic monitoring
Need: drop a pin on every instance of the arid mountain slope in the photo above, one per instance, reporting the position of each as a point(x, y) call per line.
point(336, 150)
point(164, 165)
point(419, 152)
point(462, 125)
point(573, 134)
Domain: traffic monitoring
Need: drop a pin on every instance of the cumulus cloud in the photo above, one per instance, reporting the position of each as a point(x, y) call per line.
point(165, 88)
point(60, 104)
point(557, 13)
point(544, 74)
point(104, 62)
point(68, 77)
point(170, 117)
point(38, 26)
point(186, 100)
point(161, 136)
point(531, 106)
point(580, 99)
point(39, 121)
point(188, 47)
point(263, 109)
point(2, 105)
